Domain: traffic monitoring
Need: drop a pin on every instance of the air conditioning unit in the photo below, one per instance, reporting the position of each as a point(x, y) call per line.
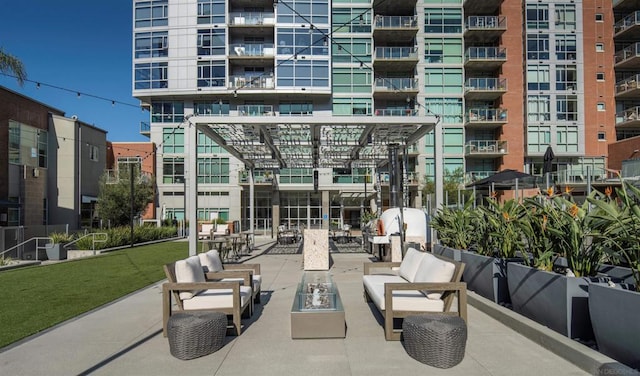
point(36, 172)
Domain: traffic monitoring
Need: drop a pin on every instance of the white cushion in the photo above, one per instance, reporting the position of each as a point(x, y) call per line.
point(403, 300)
point(217, 298)
point(410, 263)
point(257, 281)
point(188, 271)
point(211, 261)
point(433, 269)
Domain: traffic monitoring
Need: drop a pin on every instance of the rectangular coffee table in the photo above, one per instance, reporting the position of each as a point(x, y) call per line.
point(317, 310)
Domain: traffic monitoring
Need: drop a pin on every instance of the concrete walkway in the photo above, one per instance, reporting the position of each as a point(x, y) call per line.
point(125, 338)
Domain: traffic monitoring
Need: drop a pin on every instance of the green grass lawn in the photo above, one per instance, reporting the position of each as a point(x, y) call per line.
point(36, 298)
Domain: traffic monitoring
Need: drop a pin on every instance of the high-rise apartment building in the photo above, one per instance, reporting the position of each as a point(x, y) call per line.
point(506, 79)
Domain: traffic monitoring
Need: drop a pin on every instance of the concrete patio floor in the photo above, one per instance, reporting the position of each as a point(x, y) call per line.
point(125, 338)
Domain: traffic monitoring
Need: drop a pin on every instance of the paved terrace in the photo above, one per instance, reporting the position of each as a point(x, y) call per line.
point(125, 338)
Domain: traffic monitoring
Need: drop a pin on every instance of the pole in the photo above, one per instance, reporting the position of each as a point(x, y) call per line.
point(132, 208)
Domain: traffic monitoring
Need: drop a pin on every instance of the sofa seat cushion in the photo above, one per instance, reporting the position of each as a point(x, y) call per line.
point(217, 298)
point(257, 281)
point(189, 270)
point(405, 300)
point(211, 261)
point(433, 269)
point(410, 264)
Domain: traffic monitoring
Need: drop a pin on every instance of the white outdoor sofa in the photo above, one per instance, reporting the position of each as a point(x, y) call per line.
point(421, 283)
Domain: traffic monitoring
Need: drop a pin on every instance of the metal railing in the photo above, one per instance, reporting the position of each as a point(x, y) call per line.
point(20, 245)
point(98, 237)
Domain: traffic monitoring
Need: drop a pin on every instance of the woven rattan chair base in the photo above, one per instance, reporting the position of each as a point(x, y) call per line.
point(195, 334)
point(436, 340)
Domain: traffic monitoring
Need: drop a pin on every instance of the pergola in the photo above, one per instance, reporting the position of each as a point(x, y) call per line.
point(318, 141)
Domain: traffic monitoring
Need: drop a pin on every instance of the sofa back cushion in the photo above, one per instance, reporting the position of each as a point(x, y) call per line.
point(189, 271)
point(433, 269)
point(210, 261)
point(410, 263)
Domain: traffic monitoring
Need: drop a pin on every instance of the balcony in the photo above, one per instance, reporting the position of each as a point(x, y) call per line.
point(145, 128)
point(395, 28)
point(394, 87)
point(255, 110)
point(486, 148)
point(486, 118)
point(473, 176)
point(260, 177)
point(251, 19)
point(625, 5)
point(628, 119)
point(628, 28)
point(485, 58)
point(484, 88)
point(629, 88)
point(257, 82)
point(251, 51)
point(412, 178)
point(481, 7)
point(628, 57)
point(484, 28)
point(395, 58)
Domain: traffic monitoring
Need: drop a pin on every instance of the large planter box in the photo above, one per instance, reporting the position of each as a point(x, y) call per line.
point(57, 251)
point(450, 253)
point(614, 316)
point(554, 300)
point(486, 276)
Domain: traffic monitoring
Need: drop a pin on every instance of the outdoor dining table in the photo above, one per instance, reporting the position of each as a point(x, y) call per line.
point(248, 240)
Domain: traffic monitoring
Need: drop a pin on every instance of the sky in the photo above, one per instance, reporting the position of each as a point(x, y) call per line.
point(82, 46)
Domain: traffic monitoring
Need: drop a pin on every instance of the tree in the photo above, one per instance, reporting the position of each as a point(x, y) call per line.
point(114, 199)
point(12, 65)
point(452, 182)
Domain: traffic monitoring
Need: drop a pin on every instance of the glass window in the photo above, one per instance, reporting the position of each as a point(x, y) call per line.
point(167, 112)
point(599, 47)
point(28, 145)
point(449, 109)
point(296, 176)
point(211, 108)
point(151, 13)
point(151, 76)
point(154, 44)
point(453, 140)
point(600, 106)
point(565, 16)
point(443, 80)
point(567, 107)
point(213, 170)
point(537, 16)
point(207, 146)
point(602, 136)
point(293, 108)
point(566, 77)
point(211, 11)
point(566, 46)
point(303, 41)
point(538, 138)
point(537, 46)
point(443, 20)
point(352, 80)
point(304, 12)
point(599, 17)
point(211, 42)
point(352, 106)
point(443, 50)
point(538, 108)
point(567, 138)
point(600, 76)
point(211, 73)
point(303, 73)
point(173, 170)
point(351, 20)
point(172, 140)
point(538, 77)
point(351, 50)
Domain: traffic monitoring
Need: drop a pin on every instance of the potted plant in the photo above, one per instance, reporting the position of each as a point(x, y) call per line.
point(56, 250)
point(455, 229)
point(558, 300)
point(614, 309)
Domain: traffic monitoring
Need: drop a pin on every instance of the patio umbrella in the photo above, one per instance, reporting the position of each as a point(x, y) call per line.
point(548, 160)
point(505, 179)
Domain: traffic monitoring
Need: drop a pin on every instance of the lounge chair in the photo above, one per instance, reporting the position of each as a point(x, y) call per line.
point(212, 263)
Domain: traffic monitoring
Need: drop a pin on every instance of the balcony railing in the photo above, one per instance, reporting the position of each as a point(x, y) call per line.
point(628, 115)
point(395, 84)
point(486, 84)
point(251, 49)
point(259, 177)
point(630, 83)
point(395, 22)
point(483, 115)
point(627, 53)
point(396, 112)
point(629, 21)
point(486, 147)
point(394, 53)
point(257, 82)
point(255, 110)
point(485, 53)
point(486, 22)
point(145, 128)
point(251, 18)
